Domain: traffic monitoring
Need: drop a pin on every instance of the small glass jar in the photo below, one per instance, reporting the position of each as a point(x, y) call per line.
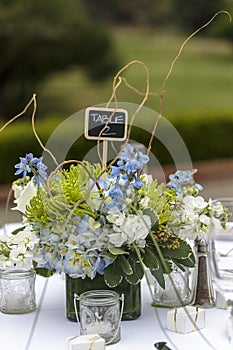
point(17, 291)
point(100, 313)
point(177, 291)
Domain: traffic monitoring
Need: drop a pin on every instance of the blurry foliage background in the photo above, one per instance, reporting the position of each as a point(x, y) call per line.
point(67, 52)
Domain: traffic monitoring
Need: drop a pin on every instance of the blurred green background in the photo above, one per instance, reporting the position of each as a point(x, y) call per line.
point(67, 52)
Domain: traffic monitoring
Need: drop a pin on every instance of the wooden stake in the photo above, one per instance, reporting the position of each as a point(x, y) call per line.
point(104, 158)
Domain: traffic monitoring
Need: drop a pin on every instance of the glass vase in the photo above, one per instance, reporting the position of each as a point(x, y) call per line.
point(177, 291)
point(17, 291)
point(132, 295)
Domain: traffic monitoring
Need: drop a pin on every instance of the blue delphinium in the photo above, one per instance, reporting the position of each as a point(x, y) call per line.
point(130, 163)
point(126, 175)
point(30, 164)
point(182, 182)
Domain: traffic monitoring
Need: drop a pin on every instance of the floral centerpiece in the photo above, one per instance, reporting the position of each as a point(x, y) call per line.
point(95, 225)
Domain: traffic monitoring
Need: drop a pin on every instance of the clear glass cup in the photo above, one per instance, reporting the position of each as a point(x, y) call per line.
point(177, 291)
point(17, 291)
point(100, 313)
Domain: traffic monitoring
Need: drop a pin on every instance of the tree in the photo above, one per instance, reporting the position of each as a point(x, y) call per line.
point(131, 12)
point(192, 14)
point(38, 38)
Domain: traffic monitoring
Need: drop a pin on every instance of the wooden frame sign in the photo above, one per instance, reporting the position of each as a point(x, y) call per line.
point(109, 124)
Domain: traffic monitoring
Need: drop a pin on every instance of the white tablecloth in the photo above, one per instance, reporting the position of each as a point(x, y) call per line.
point(52, 327)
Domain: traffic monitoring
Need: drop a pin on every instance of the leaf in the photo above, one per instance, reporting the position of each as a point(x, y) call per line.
point(162, 346)
point(178, 264)
point(153, 216)
point(138, 271)
point(125, 265)
point(158, 275)
point(16, 231)
point(117, 251)
point(184, 251)
point(113, 274)
point(150, 258)
point(188, 262)
point(44, 272)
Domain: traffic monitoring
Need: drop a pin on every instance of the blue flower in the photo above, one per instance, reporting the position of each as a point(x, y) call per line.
point(24, 165)
point(41, 167)
point(31, 164)
point(129, 164)
point(182, 182)
point(102, 263)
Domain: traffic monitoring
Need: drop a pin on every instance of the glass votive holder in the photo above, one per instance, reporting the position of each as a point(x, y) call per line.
point(177, 291)
point(100, 313)
point(17, 291)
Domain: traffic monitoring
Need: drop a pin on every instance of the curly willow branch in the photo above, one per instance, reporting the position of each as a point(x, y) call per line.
point(116, 84)
point(35, 132)
point(162, 90)
point(18, 115)
point(32, 100)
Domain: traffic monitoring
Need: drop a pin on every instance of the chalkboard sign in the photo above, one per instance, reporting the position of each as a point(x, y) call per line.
point(105, 123)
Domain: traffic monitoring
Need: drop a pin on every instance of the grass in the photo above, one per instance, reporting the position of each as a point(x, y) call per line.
point(201, 79)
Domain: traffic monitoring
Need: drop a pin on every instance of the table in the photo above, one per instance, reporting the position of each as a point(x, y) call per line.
point(52, 327)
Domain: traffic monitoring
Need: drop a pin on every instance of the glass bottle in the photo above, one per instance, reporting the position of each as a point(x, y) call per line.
point(17, 291)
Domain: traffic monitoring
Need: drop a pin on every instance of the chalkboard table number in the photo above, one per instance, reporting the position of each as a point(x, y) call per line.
point(108, 124)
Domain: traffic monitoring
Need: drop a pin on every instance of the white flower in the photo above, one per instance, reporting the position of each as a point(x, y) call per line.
point(25, 238)
point(20, 247)
point(194, 203)
point(115, 216)
point(217, 207)
point(17, 190)
point(144, 202)
point(23, 198)
point(134, 228)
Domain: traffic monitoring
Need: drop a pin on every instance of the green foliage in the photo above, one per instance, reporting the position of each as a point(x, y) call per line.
point(37, 212)
point(126, 265)
point(161, 201)
point(67, 191)
point(113, 274)
point(158, 257)
point(150, 258)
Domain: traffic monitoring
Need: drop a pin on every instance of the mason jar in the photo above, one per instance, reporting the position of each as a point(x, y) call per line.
point(17, 291)
point(100, 313)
